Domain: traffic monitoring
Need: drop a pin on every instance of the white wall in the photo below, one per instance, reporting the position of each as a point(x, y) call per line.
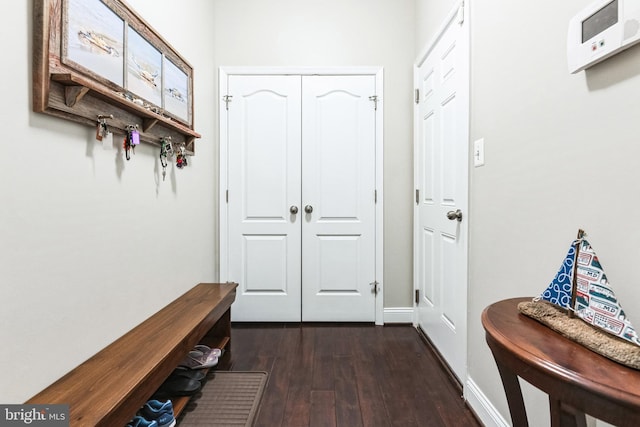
point(342, 33)
point(429, 19)
point(91, 245)
point(561, 153)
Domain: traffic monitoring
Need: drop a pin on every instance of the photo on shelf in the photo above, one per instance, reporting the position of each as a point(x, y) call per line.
point(176, 91)
point(144, 68)
point(94, 39)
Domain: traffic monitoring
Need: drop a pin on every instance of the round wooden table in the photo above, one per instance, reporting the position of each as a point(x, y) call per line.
point(577, 380)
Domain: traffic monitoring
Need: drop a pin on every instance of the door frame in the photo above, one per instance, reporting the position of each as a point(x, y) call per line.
point(223, 73)
point(460, 9)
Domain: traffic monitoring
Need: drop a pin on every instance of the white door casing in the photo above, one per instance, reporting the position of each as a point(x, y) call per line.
point(334, 227)
point(338, 163)
point(441, 174)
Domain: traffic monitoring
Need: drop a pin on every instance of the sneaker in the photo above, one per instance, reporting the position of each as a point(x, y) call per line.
point(139, 421)
point(159, 412)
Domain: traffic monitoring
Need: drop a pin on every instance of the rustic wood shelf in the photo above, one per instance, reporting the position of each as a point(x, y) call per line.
point(76, 87)
point(67, 90)
point(110, 387)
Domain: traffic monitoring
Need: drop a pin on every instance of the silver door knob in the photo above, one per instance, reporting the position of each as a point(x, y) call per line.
point(457, 214)
point(293, 210)
point(308, 209)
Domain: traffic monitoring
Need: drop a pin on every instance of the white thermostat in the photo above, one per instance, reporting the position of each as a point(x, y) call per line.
point(601, 30)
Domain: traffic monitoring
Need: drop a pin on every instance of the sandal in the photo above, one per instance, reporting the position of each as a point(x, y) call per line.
point(201, 358)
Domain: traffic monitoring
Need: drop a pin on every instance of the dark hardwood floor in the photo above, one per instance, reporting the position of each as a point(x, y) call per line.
point(347, 375)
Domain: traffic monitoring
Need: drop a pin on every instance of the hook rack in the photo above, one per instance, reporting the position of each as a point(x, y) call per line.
point(117, 125)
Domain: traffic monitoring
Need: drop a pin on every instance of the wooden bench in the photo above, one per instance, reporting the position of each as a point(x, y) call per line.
point(110, 387)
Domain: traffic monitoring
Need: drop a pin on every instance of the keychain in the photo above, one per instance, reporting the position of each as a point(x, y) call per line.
point(102, 130)
point(127, 147)
point(181, 158)
point(166, 150)
point(107, 137)
point(135, 137)
point(131, 139)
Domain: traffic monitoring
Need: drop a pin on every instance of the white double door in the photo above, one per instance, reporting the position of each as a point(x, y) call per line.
point(301, 197)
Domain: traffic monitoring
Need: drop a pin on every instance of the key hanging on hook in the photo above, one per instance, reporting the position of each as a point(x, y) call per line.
point(101, 128)
point(168, 146)
point(126, 145)
point(165, 151)
point(181, 158)
point(134, 136)
point(103, 133)
point(131, 139)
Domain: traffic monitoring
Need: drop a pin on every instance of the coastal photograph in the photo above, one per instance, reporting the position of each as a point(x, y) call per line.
point(95, 39)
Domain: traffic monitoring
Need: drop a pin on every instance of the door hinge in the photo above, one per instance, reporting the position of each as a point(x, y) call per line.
point(417, 196)
point(417, 97)
point(227, 196)
point(461, 14)
point(374, 98)
point(374, 287)
point(417, 296)
point(227, 99)
point(375, 196)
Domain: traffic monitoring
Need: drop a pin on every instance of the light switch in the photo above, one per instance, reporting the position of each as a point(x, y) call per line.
point(478, 152)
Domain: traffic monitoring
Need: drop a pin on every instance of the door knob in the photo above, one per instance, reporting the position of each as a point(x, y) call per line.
point(308, 209)
point(293, 210)
point(457, 214)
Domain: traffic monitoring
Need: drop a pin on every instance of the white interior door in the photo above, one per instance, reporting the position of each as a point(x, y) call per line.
point(299, 229)
point(338, 194)
point(442, 122)
point(264, 189)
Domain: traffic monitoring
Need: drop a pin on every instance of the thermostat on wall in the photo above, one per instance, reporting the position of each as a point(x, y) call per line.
point(601, 30)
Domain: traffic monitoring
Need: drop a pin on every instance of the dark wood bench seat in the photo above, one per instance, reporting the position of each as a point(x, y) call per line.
point(108, 388)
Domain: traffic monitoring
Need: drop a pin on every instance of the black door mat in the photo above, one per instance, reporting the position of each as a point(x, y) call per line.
point(228, 399)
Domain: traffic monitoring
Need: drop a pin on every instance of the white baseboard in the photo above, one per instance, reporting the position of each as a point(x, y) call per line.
point(398, 315)
point(483, 408)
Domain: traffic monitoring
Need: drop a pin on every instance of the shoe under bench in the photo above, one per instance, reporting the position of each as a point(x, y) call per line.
point(110, 387)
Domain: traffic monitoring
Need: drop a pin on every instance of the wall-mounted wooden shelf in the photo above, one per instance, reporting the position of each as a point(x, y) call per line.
point(63, 89)
point(81, 97)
